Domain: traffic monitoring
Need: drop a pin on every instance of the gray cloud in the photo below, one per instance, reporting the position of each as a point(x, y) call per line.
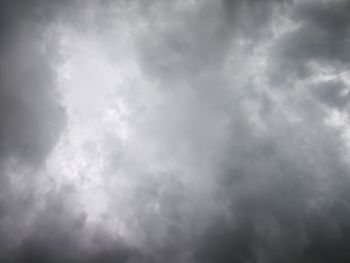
point(229, 154)
point(30, 116)
point(333, 93)
point(322, 36)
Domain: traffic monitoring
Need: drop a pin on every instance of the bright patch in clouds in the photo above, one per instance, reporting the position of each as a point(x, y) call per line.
point(93, 90)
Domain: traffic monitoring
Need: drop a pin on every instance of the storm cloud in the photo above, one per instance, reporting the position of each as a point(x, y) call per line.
point(174, 131)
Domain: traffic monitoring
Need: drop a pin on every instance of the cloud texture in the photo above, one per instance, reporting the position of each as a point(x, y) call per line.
point(174, 131)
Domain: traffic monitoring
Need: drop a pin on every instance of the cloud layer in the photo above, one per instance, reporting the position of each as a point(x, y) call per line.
point(174, 131)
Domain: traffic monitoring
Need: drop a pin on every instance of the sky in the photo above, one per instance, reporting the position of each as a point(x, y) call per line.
point(183, 131)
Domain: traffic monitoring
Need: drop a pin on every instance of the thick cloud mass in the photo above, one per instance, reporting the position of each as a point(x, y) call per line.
point(174, 131)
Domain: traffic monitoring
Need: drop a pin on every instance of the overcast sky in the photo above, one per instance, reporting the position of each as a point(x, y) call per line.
point(178, 131)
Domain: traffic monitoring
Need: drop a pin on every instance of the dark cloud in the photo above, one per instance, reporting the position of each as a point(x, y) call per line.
point(251, 18)
point(30, 115)
point(231, 159)
point(183, 45)
point(333, 93)
point(272, 181)
point(31, 118)
point(322, 36)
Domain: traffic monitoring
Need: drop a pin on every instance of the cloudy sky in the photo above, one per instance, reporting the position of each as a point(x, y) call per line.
point(178, 131)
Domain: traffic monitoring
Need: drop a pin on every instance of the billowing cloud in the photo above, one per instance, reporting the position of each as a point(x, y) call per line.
point(174, 131)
